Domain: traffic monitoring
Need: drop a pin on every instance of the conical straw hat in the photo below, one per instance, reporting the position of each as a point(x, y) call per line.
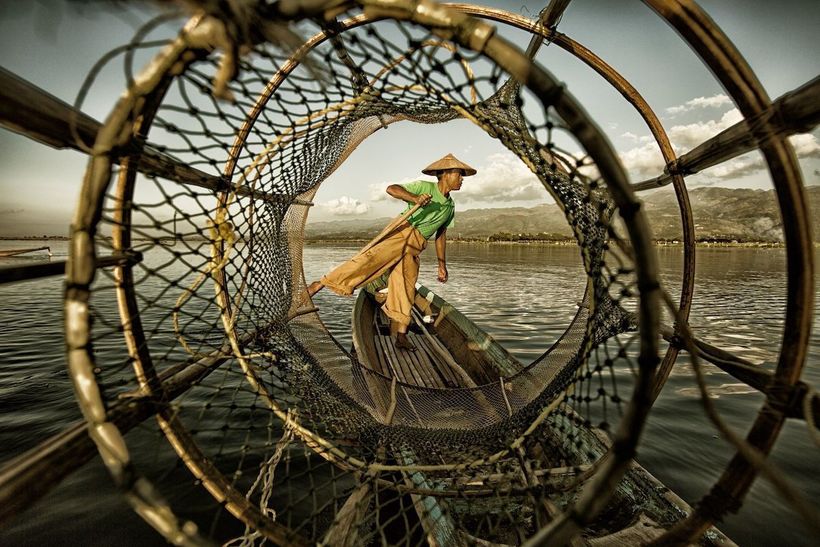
point(448, 162)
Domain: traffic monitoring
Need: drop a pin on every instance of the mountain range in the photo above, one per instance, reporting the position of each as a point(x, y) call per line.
point(723, 214)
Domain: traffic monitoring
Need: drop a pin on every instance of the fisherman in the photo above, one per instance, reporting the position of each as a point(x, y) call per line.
point(398, 247)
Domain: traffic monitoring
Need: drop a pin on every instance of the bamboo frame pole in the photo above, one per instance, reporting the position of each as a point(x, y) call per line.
point(797, 111)
point(27, 272)
point(548, 19)
point(130, 318)
point(34, 113)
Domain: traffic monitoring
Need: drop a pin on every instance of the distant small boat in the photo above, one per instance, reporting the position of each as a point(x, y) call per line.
point(454, 353)
point(15, 252)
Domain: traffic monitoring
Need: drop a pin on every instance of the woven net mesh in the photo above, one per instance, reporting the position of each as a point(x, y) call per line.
point(257, 398)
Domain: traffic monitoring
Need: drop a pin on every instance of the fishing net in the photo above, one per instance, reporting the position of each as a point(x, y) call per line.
point(201, 202)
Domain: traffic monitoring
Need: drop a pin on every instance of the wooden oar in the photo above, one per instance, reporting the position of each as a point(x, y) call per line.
point(442, 352)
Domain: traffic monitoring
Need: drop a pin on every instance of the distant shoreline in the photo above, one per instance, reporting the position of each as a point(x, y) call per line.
point(569, 243)
point(34, 238)
point(531, 243)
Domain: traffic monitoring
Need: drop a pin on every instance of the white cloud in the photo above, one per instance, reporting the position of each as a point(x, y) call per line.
point(503, 178)
point(715, 101)
point(805, 145)
point(630, 136)
point(686, 137)
point(378, 191)
point(736, 168)
point(644, 161)
point(345, 206)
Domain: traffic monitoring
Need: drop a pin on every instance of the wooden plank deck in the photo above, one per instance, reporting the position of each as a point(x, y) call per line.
point(424, 367)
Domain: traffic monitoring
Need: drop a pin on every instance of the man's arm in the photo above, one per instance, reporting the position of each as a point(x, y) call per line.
point(441, 253)
point(399, 192)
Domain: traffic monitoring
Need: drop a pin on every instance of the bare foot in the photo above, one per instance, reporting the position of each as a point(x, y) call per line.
point(402, 342)
point(314, 287)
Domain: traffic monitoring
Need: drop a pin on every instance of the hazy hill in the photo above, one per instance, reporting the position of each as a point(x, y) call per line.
point(719, 213)
point(722, 213)
point(472, 223)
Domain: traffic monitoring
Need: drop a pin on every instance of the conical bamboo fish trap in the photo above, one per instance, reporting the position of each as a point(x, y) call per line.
point(192, 220)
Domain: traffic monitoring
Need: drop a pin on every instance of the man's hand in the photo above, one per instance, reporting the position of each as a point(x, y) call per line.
point(442, 272)
point(422, 199)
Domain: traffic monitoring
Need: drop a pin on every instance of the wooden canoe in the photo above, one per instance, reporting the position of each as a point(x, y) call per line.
point(452, 353)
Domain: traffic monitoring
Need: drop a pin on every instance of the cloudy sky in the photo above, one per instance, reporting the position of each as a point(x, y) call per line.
point(54, 45)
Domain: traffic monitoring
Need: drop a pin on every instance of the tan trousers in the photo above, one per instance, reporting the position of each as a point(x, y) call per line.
point(400, 251)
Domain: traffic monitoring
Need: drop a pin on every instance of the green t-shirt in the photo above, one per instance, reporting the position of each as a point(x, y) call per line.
point(441, 211)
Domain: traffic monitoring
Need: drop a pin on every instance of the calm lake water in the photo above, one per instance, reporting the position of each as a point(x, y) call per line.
point(525, 297)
